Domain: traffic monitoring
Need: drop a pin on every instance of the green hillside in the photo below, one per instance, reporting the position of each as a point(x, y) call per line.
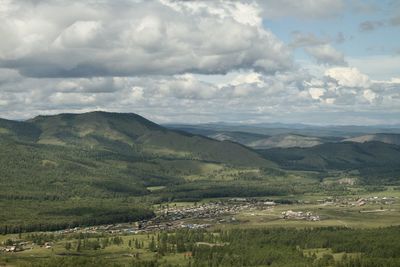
point(103, 154)
point(81, 169)
point(52, 167)
point(286, 141)
point(258, 140)
point(19, 130)
point(377, 162)
point(134, 135)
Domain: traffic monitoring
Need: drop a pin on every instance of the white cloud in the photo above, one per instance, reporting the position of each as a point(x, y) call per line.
point(369, 95)
point(186, 87)
point(244, 96)
point(192, 61)
point(133, 95)
point(100, 38)
point(316, 93)
point(248, 78)
point(349, 77)
point(60, 98)
point(78, 35)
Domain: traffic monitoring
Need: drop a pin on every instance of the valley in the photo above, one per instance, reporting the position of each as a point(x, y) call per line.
point(104, 189)
point(205, 224)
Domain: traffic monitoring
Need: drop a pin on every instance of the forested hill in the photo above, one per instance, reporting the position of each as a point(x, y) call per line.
point(96, 167)
point(107, 154)
point(377, 162)
point(128, 134)
point(19, 130)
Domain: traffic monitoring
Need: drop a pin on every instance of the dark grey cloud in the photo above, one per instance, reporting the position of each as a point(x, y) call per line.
point(326, 54)
point(395, 10)
point(395, 21)
point(306, 9)
point(340, 38)
point(300, 39)
point(393, 14)
point(365, 7)
point(319, 48)
point(371, 25)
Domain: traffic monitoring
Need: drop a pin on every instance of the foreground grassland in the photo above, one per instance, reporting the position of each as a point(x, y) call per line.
point(351, 230)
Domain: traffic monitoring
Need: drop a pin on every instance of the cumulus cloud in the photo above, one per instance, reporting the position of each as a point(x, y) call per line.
point(349, 77)
point(241, 96)
point(100, 38)
point(369, 95)
point(193, 61)
point(326, 54)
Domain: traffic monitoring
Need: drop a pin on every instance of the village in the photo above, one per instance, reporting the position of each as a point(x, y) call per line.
point(356, 201)
point(170, 217)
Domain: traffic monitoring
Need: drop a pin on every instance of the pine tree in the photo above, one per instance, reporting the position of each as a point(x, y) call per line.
point(78, 245)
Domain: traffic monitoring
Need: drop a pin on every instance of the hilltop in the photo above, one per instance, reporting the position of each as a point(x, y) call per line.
point(379, 137)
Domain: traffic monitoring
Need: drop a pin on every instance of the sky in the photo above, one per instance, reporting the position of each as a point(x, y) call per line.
point(320, 62)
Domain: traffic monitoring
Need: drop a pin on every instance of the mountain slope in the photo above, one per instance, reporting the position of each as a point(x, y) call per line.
point(134, 135)
point(331, 131)
point(346, 155)
point(285, 141)
point(90, 128)
point(261, 141)
point(19, 130)
point(104, 154)
point(101, 154)
point(238, 137)
point(372, 159)
point(379, 137)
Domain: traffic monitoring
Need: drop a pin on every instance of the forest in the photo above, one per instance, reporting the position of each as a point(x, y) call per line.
point(327, 246)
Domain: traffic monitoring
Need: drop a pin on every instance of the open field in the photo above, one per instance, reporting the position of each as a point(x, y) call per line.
point(366, 211)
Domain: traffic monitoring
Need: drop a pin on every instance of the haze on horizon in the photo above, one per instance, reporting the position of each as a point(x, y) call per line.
point(326, 62)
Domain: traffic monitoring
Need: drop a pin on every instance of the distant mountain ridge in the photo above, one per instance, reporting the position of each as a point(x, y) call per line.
point(345, 131)
point(379, 137)
point(264, 136)
point(286, 141)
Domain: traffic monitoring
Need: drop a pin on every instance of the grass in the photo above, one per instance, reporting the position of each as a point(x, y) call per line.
point(331, 215)
point(320, 252)
point(121, 254)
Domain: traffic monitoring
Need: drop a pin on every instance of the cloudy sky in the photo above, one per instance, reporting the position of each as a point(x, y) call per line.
point(307, 61)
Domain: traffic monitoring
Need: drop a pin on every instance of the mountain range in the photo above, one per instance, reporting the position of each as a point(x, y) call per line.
point(285, 137)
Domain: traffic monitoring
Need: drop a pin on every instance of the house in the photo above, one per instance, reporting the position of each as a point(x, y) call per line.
point(13, 249)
